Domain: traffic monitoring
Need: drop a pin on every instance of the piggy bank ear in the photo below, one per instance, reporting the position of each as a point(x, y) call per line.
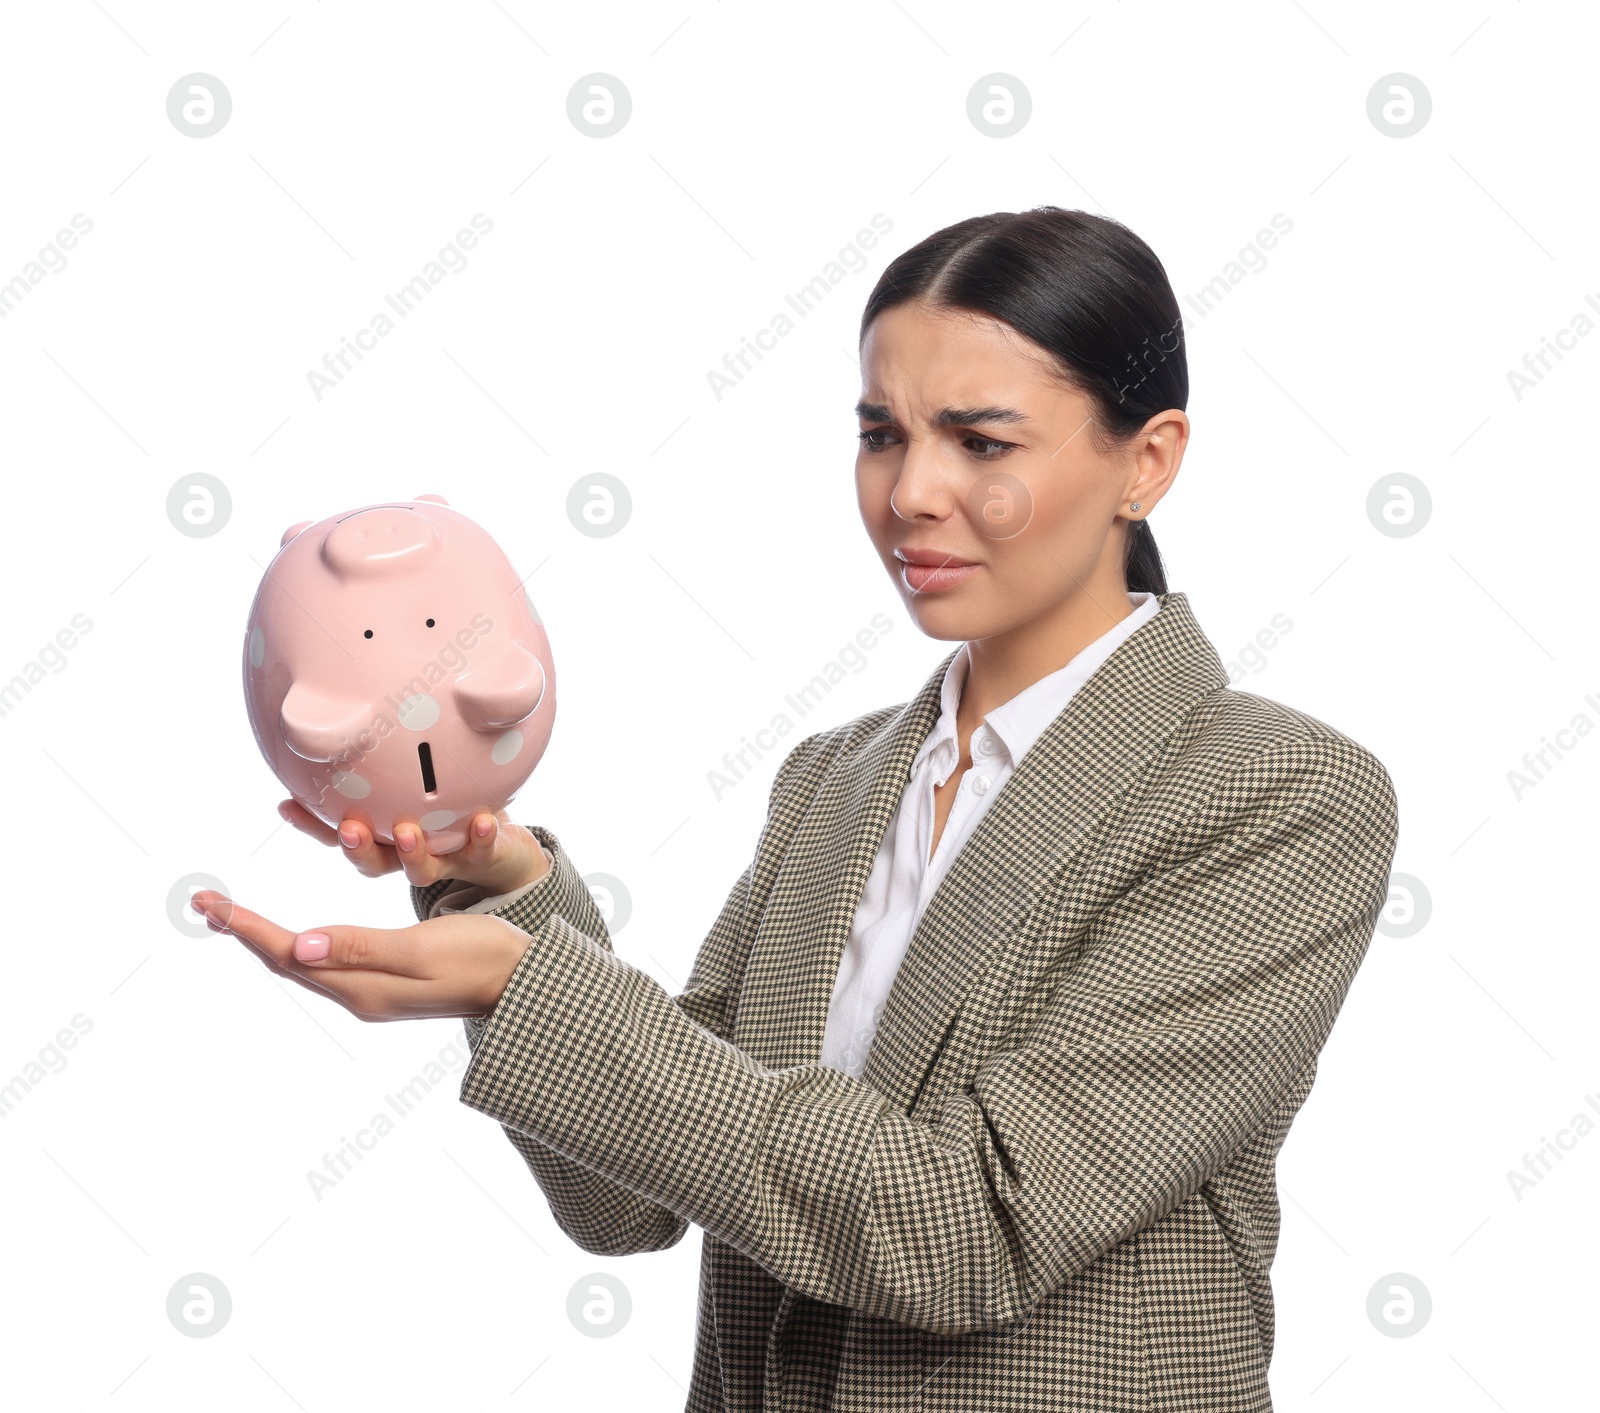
point(437, 500)
point(294, 530)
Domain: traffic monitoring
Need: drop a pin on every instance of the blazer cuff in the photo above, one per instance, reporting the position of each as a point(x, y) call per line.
point(560, 889)
point(451, 895)
point(462, 897)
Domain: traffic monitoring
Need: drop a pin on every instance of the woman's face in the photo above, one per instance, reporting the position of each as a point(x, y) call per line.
point(973, 452)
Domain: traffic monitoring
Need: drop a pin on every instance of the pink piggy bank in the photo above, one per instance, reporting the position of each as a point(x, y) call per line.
point(395, 668)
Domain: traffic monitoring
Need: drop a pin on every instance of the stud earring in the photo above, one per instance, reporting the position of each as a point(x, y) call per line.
point(1136, 505)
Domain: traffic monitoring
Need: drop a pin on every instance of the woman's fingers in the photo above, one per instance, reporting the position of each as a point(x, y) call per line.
point(270, 962)
point(306, 822)
point(488, 849)
point(498, 854)
point(352, 838)
point(485, 859)
point(373, 972)
point(362, 848)
point(449, 966)
point(411, 854)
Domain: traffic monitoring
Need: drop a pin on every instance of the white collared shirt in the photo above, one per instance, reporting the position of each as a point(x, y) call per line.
point(903, 877)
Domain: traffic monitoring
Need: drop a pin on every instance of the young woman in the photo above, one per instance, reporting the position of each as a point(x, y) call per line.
point(978, 1082)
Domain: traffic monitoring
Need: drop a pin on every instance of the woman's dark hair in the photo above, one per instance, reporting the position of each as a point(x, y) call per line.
point(1089, 292)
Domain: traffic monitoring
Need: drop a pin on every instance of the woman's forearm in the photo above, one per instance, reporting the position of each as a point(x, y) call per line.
point(600, 1216)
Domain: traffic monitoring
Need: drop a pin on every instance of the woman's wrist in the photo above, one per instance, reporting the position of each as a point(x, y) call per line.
point(534, 867)
point(500, 880)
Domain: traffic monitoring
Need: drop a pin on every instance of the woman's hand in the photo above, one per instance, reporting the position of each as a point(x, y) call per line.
point(499, 855)
point(455, 965)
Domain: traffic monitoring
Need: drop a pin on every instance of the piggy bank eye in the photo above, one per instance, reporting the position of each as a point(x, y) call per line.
point(367, 634)
point(430, 623)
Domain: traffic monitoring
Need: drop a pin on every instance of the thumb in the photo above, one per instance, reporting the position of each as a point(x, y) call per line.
point(333, 947)
point(394, 950)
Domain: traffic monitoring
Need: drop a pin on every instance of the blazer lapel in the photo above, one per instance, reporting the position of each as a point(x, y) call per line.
point(1076, 770)
point(1074, 773)
point(782, 1012)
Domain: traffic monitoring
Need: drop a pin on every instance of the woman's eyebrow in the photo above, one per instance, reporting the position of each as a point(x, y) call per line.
point(946, 416)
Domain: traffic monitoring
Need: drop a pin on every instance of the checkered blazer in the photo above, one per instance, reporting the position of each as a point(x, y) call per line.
point(1053, 1185)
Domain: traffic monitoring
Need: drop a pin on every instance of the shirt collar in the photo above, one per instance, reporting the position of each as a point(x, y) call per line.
point(1020, 722)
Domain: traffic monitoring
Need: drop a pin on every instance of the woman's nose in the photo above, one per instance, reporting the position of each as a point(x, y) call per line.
point(926, 484)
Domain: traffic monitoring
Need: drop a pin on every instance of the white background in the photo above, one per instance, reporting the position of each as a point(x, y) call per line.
point(177, 339)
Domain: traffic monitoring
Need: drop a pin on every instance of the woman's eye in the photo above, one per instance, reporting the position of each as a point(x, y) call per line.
point(984, 448)
point(987, 448)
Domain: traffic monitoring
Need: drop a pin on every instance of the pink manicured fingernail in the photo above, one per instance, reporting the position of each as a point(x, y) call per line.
point(483, 827)
point(405, 840)
point(311, 946)
point(349, 839)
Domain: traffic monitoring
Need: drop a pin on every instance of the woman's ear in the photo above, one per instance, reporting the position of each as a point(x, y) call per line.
point(1157, 456)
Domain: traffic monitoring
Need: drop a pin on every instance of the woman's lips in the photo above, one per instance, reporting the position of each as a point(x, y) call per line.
point(928, 578)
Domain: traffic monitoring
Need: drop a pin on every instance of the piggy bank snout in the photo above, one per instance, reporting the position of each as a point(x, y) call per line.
point(384, 540)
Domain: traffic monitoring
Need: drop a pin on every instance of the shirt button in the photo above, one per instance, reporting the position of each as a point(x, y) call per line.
point(980, 784)
point(985, 743)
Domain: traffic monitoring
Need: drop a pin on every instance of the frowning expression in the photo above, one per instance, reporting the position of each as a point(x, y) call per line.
point(976, 456)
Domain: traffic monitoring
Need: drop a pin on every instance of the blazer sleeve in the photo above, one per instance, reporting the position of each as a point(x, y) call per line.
point(596, 1213)
point(1200, 997)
